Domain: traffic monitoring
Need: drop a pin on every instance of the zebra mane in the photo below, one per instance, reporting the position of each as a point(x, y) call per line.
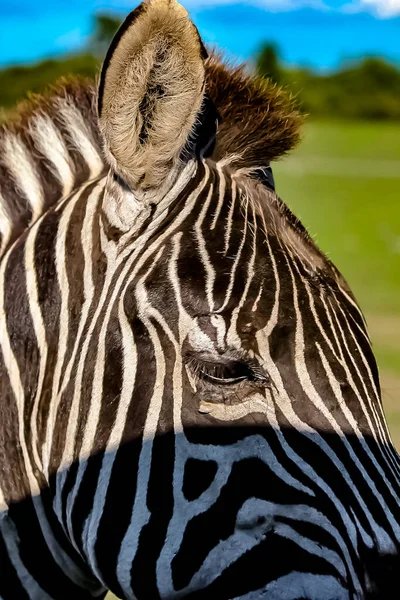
point(259, 121)
point(52, 144)
point(49, 147)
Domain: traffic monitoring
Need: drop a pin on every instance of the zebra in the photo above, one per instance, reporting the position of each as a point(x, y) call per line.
point(190, 405)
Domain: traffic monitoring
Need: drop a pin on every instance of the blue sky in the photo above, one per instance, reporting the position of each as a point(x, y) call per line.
point(317, 33)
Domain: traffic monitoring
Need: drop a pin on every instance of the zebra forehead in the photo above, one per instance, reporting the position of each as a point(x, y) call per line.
point(237, 200)
point(234, 224)
point(278, 221)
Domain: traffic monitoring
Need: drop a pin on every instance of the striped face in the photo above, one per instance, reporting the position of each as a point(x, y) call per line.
point(206, 413)
point(190, 406)
point(249, 414)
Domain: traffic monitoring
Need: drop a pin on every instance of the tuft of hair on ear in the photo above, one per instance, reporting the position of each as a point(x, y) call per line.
point(150, 93)
point(259, 121)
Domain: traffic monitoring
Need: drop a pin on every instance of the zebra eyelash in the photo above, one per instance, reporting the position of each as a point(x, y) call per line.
point(227, 371)
point(121, 182)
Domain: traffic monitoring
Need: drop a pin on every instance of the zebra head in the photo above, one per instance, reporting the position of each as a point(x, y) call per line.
point(264, 466)
point(208, 421)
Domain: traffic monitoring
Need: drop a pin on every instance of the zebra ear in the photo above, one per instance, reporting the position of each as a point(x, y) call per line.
point(151, 91)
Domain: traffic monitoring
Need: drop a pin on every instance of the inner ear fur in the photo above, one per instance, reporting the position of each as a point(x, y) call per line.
point(151, 91)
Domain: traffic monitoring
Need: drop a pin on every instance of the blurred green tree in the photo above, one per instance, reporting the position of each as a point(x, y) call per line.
point(367, 89)
point(18, 81)
point(105, 27)
point(268, 63)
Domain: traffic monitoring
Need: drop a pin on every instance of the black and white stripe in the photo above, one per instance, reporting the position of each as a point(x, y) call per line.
point(46, 159)
point(189, 402)
point(142, 314)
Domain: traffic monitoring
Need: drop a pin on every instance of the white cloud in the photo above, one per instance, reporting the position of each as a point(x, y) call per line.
point(382, 8)
point(273, 5)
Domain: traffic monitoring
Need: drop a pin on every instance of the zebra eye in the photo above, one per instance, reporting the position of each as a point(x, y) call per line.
point(226, 372)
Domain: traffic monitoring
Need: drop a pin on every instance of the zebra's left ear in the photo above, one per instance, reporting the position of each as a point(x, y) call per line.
point(151, 91)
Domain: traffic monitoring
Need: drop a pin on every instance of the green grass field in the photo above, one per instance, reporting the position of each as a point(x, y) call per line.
point(343, 182)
